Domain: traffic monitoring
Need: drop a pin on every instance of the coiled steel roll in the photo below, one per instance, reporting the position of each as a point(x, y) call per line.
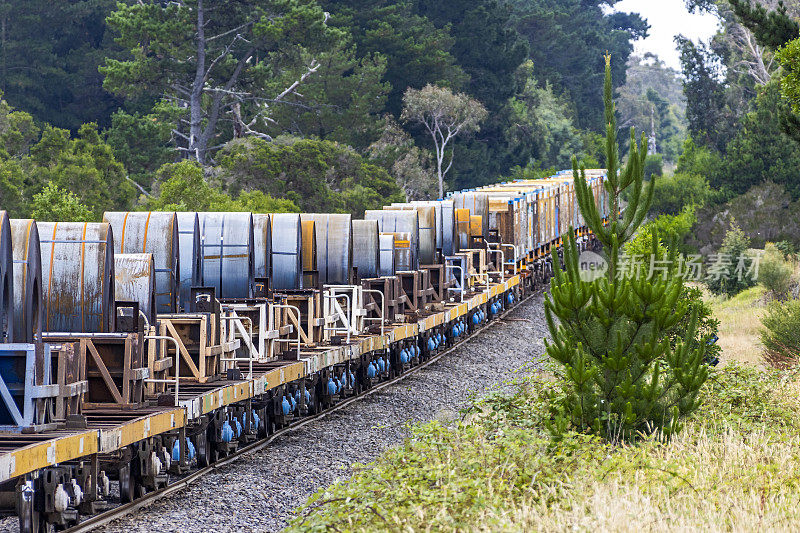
point(400, 222)
point(478, 205)
point(262, 242)
point(6, 281)
point(309, 246)
point(366, 248)
point(77, 276)
point(287, 252)
point(227, 242)
point(426, 214)
point(445, 224)
point(403, 256)
point(386, 254)
point(191, 263)
point(155, 233)
point(334, 247)
point(27, 280)
point(135, 281)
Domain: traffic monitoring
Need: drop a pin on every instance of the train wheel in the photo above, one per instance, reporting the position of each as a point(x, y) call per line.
point(127, 483)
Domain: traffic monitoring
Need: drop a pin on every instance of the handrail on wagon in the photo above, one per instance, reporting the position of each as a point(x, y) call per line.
point(502, 264)
point(334, 297)
point(249, 342)
point(460, 289)
point(299, 318)
point(516, 254)
point(383, 307)
point(177, 379)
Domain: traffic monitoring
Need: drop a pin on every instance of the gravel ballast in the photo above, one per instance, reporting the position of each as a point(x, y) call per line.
point(262, 490)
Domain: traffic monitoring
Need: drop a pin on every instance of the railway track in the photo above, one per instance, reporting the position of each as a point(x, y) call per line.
point(120, 511)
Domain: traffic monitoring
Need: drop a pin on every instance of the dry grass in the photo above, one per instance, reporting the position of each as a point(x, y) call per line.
point(740, 322)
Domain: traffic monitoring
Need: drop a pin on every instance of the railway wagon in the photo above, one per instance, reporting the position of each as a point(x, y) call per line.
point(140, 349)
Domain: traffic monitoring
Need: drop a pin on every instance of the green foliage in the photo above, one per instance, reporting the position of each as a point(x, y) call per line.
point(653, 166)
point(416, 51)
point(781, 333)
point(624, 377)
point(775, 272)
point(495, 469)
point(541, 123)
point(669, 229)
point(49, 54)
point(247, 53)
point(54, 204)
point(141, 143)
point(555, 29)
point(761, 150)
point(411, 166)
point(770, 28)
point(728, 272)
point(85, 166)
point(675, 193)
point(183, 188)
point(697, 159)
point(318, 176)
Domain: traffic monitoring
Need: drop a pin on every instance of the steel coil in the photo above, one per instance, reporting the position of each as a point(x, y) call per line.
point(191, 263)
point(366, 248)
point(262, 242)
point(27, 280)
point(6, 281)
point(478, 205)
point(155, 233)
point(77, 276)
point(445, 224)
point(334, 247)
point(135, 281)
point(227, 243)
point(309, 246)
point(386, 254)
point(287, 252)
point(403, 256)
point(400, 222)
point(426, 214)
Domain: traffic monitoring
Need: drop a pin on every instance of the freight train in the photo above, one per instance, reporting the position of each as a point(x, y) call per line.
point(139, 348)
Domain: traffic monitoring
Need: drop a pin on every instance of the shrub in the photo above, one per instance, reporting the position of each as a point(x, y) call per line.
point(54, 204)
point(781, 333)
point(653, 166)
point(675, 193)
point(775, 272)
point(612, 337)
point(729, 270)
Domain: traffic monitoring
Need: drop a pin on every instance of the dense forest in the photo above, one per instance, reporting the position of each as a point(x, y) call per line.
point(302, 104)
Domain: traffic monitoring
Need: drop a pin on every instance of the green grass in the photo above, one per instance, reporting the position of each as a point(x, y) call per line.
point(735, 466)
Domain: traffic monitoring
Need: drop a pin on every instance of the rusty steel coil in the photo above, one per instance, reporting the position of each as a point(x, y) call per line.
point(478, 205)
point(27, 280)
point(334, 247)
point(262, 242)
point(227, 244)
point(155, 233)
point(400, 222)
point(191, 263)
point(77, 276)
point(366, 248)
point(287, 252)
point(386, 254)
point(6, 281)
point(135, 281)
point(310, 267)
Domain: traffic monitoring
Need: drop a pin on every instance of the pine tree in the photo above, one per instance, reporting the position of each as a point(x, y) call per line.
point(624, 378)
